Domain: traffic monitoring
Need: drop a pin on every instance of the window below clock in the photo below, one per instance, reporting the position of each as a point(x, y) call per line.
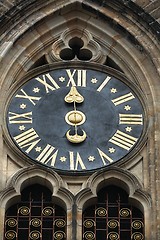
point(35, 217)
point(113, 217)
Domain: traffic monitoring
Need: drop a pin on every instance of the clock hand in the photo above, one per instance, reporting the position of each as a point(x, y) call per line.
point(75, 117)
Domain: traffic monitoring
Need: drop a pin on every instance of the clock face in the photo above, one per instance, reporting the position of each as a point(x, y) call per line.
point(75, 118)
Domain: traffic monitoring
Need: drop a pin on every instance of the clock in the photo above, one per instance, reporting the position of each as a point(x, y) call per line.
point(75, 118)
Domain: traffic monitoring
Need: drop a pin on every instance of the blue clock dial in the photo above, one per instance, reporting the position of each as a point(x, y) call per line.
point(75, 118)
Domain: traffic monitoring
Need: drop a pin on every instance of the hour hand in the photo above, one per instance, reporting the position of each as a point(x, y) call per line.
point(74, 96)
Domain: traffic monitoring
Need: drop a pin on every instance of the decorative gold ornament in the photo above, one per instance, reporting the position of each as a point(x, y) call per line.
point(10, 234)
point(47, 211)
point(35, 222)
point(35, 235)
point(102, 212)
point(89, 223)
point(24, 210)
point(125, 212)
point(60, 223)
point(113, 236)
point(11, 222)
point(137, 224)
point(137, 236)
point(75, 118)
point(113, 223)
point(74, 96)
point(59, 235)
point(89, 235)
point(76, 138)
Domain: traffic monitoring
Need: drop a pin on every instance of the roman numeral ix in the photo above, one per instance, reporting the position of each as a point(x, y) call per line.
point(20, 118)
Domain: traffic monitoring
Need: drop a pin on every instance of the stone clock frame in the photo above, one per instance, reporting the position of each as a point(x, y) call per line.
point(126, 160)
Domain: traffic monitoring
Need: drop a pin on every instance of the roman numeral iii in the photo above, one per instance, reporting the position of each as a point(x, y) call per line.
point(136, 119)
point(123, 140)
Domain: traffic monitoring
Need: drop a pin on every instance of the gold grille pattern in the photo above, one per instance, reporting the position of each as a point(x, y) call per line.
point(137, 236)
point(89, 235)
point(102, 212)
point(47, 211)
point(24, 210)
point(35, 218)
point(59, 235)
point(35, 222)
point(113, 223)
point(35, 235)
point(113, 218)
point(113, 236)
point(11, 222)
point(125, 212)
point(89, 223)
point(10, 234)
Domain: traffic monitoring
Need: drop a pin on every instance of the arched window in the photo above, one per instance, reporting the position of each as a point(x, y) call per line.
point(35, 217)
point(113, 217)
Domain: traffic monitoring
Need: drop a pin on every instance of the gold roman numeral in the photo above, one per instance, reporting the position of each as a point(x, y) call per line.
point(48, 87)
point(26, 139)
point(136, 119)
point(32, 99)
point(123, 140)
point(20, 118)
point(48, 155)
point(76, 161)
point(103, 84)
point(81, 77)
point(104, 157)
point(124, 98)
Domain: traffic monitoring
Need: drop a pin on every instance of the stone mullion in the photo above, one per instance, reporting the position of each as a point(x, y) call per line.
point(3, 162)
point(157, 171)
point(152, 179)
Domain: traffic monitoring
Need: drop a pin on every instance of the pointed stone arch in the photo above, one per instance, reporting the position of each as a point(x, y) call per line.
point(32, 175)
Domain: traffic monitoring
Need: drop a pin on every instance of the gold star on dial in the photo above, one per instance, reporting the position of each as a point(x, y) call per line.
point(113, 90)
point(91, 158)
point(127, 107)
point(23, 106)
point(62, 79)
point(38, 149)
point(36, 90)
point(112, 150)
point(63, 159)
point(22, 127)
point(94, 80)
point(128, 129)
